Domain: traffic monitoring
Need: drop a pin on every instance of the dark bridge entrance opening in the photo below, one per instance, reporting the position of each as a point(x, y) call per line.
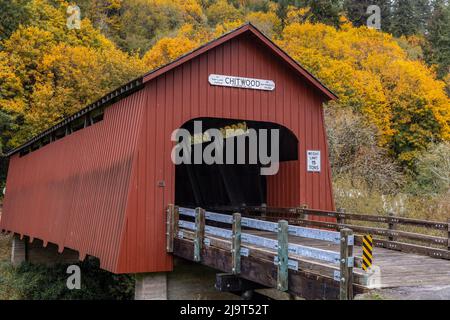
point(217, 185)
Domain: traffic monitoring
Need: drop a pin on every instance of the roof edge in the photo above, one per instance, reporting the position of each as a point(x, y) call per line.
point(111, 97)
point(247, 27)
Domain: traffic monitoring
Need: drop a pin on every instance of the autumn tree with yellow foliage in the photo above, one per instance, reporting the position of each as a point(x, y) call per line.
point(373, 75)
point(48, 72)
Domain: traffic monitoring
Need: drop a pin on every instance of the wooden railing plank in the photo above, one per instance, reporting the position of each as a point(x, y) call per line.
point(371, 230)
point(346, 270)
point(382, 219)
point(408, 248)
point(236, 243)
point(437, 225)
point(314, 267)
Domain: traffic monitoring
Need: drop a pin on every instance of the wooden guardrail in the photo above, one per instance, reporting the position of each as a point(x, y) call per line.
point(392, 237)
point(228, 244)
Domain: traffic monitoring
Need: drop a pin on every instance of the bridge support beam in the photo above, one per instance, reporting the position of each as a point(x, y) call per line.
point(151, 286)
point(35, 252)
point(187, 281)
point(18, 250)
point(228, 282)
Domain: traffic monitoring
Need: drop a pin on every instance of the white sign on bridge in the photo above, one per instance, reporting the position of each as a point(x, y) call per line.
point(313, 160)
point(241, 82)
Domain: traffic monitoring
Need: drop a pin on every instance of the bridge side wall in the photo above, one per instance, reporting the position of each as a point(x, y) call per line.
point(183, 94)
point(73, 192)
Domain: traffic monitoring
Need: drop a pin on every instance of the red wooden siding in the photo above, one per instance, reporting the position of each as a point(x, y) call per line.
point(182, 94)
point(73, 192)
point(283, 188)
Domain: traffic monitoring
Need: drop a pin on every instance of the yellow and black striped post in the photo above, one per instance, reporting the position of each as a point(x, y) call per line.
point(367, 252)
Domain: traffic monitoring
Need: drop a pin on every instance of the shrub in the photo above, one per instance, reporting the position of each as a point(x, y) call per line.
point(355, 154)
point(433, 170)
point(39, 282)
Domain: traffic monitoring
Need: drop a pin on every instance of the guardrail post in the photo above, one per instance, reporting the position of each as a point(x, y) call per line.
point(236, 244)
point(391, 227)
point(199, 233)
point(282, 277)
point(170, 227)
point(346, 265)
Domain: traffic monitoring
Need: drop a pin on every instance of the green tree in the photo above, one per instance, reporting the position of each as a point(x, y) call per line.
point(356, 11)
point(282, 8)
point(5, 126)
point(423, 14)
point(12, 14)
point(6, 123)
point(325, 11)
point(409, 17)
point(104, 15)
point(439, 38)
point(222, 11)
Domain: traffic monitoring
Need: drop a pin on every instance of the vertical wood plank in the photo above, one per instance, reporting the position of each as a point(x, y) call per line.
point(340, 219)
point(176, 218)
point(392, 226)
point(236, 244)
point(282, 277)
point(199, 233)
point(350, 264)
point(170, 234)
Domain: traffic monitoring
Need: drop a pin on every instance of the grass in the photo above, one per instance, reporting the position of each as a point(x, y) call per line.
point(7, 290)
point(5, 247)
point(39, 282)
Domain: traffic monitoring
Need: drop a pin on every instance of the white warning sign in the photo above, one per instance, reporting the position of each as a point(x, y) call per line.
point(313, 160)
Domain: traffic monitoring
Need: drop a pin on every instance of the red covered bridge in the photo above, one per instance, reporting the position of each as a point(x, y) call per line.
point(99, 182)
point(101, 187)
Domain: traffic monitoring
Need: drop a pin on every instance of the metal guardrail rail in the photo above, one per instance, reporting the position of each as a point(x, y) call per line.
point(303, 251)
